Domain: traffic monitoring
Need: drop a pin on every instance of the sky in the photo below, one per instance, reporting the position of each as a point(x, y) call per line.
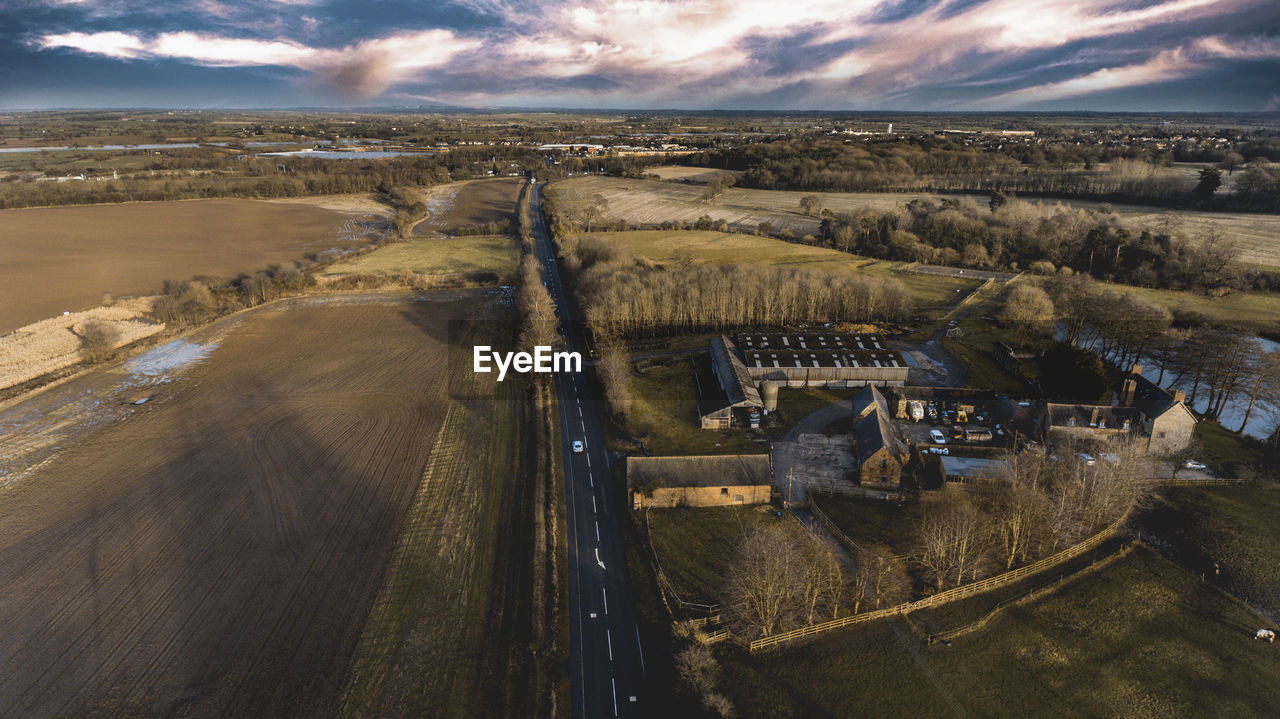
point(942, 55)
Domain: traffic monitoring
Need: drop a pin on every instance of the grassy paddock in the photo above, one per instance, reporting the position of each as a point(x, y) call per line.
point(436, 256)
point(1234, 527)
point(664, 416)
point(696, 545)
point(1140, 638)
point(726, 248)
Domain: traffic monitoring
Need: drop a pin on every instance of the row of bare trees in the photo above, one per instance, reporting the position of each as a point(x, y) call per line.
point(1042, 505)
point(782, 578)
point(623, 296)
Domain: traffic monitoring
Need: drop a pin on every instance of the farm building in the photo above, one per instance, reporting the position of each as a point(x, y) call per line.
point(750, 371)
point(737, 394)
point(968, 470)
point(880, 454)
point(1167, 422)
point(1158, 417)
point(699, 481)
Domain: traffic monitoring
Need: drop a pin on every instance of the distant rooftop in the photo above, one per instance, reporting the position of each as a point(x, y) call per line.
point(822, 349)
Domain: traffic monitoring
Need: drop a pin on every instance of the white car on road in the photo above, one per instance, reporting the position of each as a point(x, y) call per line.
point(578, 446)
point(937, 436)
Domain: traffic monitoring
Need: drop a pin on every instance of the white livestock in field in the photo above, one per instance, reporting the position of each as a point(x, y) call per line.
point(1265, 635)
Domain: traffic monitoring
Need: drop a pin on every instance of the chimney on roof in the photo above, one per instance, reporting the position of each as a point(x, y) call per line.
point(1071, 421)
point(1128, 391)
point(1126, 425)
point(1179, 396)
point(1137, 369)
point(1093, 418)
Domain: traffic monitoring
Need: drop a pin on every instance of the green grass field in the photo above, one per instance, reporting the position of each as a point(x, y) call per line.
point(437, 256)
point(1233, 526)
point(1139, 638)
point(695, 546)
point(870, 522)
point(729, 248)
point(664, 416)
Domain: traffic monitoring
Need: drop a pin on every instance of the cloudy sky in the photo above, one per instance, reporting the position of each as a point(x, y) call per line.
point(696, 54)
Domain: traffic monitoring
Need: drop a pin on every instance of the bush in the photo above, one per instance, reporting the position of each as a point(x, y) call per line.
point(98, 339)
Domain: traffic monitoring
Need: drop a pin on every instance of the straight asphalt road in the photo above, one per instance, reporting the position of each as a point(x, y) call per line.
point(605, 660)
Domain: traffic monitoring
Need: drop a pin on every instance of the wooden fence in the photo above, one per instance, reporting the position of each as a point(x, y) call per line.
point(669, 594)
point(1198, 482)
point(945, 597)
point(1033, 593)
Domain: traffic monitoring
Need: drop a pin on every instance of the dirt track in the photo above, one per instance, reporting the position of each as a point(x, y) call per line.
point(55, 259)
point(214, 552)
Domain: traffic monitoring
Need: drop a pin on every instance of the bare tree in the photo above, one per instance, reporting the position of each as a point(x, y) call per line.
point(951, 543)
point(879, 579)
point(1028, 309)
point(1261, 382)
point(822, 579)
point(764, 580)
point(97, 340)
point(615, 374)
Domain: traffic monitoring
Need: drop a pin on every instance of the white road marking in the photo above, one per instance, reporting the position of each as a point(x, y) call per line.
point(598, 558)
point(593, 503)
point(597, 531)
point(605, 594)
point(609, 638)
point(640, 650)
point(588, 461)
point(615, 696)
point(584, 426)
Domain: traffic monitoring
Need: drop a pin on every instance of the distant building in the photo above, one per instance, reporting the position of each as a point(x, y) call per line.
point(699, 481)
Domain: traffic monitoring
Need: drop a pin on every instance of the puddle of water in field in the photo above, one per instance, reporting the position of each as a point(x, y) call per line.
point(157, 363)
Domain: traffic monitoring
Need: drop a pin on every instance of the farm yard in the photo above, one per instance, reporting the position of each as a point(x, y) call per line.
point(1139, 637)
point(465, 204)
point(60, 259)
point(203, 530)
point(655, 201)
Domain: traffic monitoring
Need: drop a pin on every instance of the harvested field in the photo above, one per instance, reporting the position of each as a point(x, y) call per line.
point(437, 256)
point(679, 173)
point(463, 204)
point(653, 201)
point(360, 203)
point(202, 531)
point(56, 259)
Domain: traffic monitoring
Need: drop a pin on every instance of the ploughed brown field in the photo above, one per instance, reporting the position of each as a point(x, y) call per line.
point(475, 202)
point(215, 551)
point(54, 259)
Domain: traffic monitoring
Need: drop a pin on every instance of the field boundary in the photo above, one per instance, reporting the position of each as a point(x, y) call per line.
point(944, 597)
point(374, 637)
point(1035, 593)
point(665, 587)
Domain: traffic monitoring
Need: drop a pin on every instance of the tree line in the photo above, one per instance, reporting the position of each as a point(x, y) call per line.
point(1059, 168)
point(1217, 364)
point(623, 296)
point(1013, 235)
point(248, 176)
